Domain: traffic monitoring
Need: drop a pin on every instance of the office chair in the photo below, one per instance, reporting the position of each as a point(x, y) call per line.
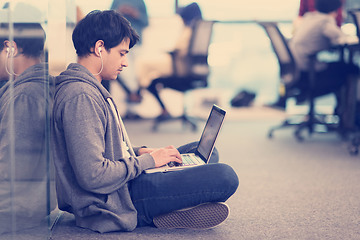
point(196, 77)
point(355, 14)
point(354, 142)
point(290, 78)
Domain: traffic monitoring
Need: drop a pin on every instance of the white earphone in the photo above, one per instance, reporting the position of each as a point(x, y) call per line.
point(9, 52)
point(8, 49)
point(102, 66)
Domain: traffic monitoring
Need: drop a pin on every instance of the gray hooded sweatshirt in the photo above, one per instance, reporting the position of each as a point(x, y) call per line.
point(92, 171)
point(25, 146)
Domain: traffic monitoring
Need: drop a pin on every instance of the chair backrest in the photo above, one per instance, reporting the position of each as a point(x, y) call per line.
point(355, 14)
point(288, 69)
point(199, 48)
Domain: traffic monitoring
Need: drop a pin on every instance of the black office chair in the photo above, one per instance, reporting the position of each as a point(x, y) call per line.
point(290, 79)
point(355, 15)
point(197, 75)
point(354, 142)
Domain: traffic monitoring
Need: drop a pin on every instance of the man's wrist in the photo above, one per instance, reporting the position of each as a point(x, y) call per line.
point(141, 150)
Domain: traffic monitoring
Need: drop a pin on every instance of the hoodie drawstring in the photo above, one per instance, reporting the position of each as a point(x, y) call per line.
point(122, 127)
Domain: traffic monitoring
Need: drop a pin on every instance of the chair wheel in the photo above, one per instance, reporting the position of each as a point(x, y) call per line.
point(191, 125)
point(194, 128)
point(154, 128)
point(298, 137)
point(353, 150)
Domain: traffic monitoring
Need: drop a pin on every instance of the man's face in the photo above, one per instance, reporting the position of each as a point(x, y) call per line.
point(115, 60)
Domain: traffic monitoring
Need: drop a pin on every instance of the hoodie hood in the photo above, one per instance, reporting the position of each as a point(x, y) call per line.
point(77, 73)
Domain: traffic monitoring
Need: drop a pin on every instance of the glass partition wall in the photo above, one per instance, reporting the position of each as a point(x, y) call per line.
point(27, 192)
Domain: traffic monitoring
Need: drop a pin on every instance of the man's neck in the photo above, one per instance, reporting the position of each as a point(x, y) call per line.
point(22, 63)
point(333, 14)
point(90, 64)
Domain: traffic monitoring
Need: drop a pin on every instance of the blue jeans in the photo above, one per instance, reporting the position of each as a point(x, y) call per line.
point(159, 193)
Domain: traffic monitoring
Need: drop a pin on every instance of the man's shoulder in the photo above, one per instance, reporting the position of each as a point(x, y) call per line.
point(76, 90)
point(29, 89)
point(317, 18)
point(70, 87)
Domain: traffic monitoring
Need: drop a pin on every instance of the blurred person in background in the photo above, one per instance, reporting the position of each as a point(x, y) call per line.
point(305, 6)
point(317, 32)
point(136, 13)
point(309, 6)
point(161, 65)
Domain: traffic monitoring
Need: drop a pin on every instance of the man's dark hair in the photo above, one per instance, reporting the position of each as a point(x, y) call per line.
point(29, 38)
point(327, 6)
point(109, 26)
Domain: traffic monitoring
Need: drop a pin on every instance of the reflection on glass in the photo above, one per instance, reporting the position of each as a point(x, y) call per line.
point(25, 103)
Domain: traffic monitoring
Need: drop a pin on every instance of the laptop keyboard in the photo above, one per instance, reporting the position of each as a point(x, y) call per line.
point(188, 160)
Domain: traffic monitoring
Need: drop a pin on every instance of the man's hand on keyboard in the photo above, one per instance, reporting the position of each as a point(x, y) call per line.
point(165, 155)
point(174, 164)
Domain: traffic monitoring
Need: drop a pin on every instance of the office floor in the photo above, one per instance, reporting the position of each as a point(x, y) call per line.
point(288, 190)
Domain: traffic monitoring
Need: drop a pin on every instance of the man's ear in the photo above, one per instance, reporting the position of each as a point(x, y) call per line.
point(11, 48)
point(99, 47)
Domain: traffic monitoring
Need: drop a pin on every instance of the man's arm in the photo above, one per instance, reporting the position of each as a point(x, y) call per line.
point(334, 33)
point(84, 122)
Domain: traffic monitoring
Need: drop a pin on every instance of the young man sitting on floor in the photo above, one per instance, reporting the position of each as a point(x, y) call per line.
point(100, 176)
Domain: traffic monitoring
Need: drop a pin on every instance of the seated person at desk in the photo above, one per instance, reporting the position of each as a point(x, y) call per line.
point(318, 32)
point(305, 7)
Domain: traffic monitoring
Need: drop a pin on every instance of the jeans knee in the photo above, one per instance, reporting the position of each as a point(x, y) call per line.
point(227, 177)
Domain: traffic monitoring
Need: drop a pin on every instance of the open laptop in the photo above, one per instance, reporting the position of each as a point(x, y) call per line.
point(205, 146)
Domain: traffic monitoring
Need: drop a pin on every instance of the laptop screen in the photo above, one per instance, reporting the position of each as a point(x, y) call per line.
point(211, 130)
